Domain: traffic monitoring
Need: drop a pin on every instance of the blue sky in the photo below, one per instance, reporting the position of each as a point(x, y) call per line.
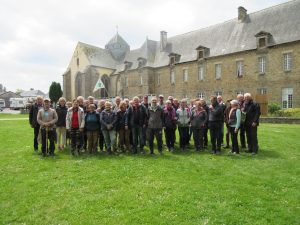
point(38, 37)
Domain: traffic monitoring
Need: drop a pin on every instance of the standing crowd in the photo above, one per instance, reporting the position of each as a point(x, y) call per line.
point(128, 125)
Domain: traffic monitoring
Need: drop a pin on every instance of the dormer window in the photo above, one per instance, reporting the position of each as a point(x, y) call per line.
point(263, 39)
point(127, 65)
point(202, 52)
point(174, 58)
point(262, 43)
point(141, 62)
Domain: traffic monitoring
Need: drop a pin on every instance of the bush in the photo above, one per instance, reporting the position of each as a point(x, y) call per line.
point(288, 113)
point(273, 108)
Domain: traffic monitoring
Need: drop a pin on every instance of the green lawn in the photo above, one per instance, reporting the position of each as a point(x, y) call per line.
point(176, 188)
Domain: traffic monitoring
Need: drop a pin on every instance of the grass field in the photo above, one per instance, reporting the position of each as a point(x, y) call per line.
point(175, 188)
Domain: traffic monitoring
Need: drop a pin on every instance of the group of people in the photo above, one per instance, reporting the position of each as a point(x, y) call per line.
point(127, 125)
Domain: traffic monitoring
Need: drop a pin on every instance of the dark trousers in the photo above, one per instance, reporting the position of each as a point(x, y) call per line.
point(205, 132)
point(51, 138)
point(92, 138)
point(36, 130)
point(227, 135)
point(183, 136)
point(157, 133)
point(170, 137)
point(76, 140)
point(242, 135)
point(215, 135)
point(234, 140)
point(251, 133)
point(101, 140)
point(198, 139)
point(123, 135)
point(137, 138)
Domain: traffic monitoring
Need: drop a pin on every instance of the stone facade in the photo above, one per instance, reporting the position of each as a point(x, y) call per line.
point(251, 53)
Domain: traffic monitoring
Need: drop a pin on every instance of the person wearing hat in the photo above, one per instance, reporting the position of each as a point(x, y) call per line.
point(47, 118)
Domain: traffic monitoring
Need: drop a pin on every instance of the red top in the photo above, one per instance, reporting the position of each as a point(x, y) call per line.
point(75, 120)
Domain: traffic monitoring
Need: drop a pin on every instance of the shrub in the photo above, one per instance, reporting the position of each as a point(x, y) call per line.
point(273, 108)
point(288, 113)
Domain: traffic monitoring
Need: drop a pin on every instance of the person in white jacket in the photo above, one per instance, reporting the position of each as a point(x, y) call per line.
point(75, 125)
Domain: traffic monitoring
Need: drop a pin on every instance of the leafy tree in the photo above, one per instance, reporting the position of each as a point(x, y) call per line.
point(55, 92)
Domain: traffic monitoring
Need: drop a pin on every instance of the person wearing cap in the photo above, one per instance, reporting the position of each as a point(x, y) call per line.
point(169, 124)
point(47, 118)
point(34, 109)
point(234, 122)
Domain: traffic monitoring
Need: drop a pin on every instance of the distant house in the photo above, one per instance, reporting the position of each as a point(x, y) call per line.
point(7, 95)
point(32, 94)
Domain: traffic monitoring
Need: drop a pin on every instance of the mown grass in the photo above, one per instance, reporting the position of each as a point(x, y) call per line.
point(176, 188)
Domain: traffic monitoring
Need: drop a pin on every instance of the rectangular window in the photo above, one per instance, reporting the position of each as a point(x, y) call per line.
point(218, 71)
point(239, 92)
point(185, 75)
point(201, 95)
point(287, 61)
point(218, 93)
point(201, 72)
point(158, 79)
point(239, 68)
point(77, 61)
point(172, 77)
point(287, 98)
point(126, 81)
point(262, 65)
point(262, 91)
point(141, 79)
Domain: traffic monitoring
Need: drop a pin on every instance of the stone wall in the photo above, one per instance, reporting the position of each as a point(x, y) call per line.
point(281, 120)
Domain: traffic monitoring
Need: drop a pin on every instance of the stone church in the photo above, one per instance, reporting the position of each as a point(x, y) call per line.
point(257, 53)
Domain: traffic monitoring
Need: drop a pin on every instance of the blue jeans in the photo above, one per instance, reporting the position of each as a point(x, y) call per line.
point(110, 138)
point(138, 138)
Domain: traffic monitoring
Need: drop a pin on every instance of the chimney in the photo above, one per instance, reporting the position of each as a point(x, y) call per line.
point(242, 14)
point(163, 40)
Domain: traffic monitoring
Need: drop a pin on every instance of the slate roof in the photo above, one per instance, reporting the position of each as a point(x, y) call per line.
point(32, 93)
point(281, 21)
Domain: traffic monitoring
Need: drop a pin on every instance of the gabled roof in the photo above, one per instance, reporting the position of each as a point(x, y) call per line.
point(98, 56)
point(32, 93)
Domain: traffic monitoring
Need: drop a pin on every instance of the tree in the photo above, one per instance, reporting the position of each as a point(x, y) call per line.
point(19, 91)
point(55, 92)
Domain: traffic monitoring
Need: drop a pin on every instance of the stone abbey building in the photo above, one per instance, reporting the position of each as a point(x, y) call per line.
point(257, 53)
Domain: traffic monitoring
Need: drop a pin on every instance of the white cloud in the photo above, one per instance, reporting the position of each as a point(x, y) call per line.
point(38, 37)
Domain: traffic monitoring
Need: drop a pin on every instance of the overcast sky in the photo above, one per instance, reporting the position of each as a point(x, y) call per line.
point(38, 37)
